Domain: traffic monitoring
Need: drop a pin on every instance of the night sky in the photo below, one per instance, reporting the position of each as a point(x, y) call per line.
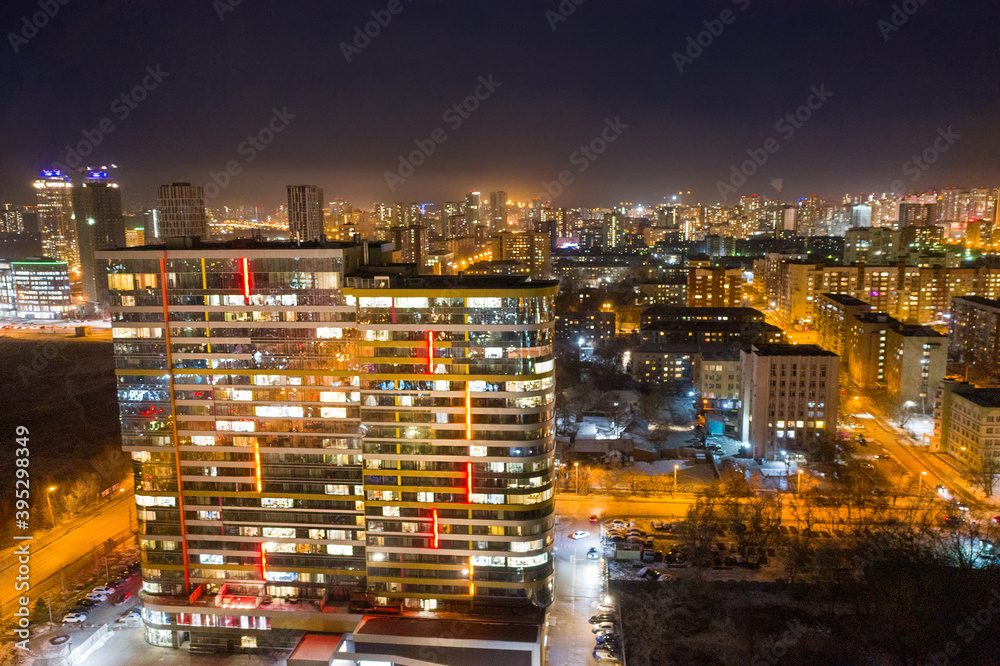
point(607, 60)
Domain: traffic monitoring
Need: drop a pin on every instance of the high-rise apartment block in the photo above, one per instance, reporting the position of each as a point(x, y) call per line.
point(305, 212)
point(307, 422)
point(100, 225)
point(498, 211)
point(54, 196)
point(967, 423)
point(181, 211)
point(11, 219)
point(789, 395)
point(530, 248)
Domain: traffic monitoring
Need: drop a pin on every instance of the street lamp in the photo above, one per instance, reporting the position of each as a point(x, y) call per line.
point(577, 466)
point(798, 484)
point(920, 482)
point(48, 496)
point(675, 477)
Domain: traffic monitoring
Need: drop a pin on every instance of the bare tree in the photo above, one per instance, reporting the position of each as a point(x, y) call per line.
point(754, 523)
point(983, 473)
point(83, 491)
point(699, 530)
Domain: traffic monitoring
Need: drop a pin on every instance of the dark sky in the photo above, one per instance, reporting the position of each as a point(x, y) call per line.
point(609, 59)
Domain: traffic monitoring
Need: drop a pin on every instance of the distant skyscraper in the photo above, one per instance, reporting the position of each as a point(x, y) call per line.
point(182, 211)
point(97, 206)
point(472, 203)
point(151, 224)
point(305, 212)
point(11, 221)
point(54, 193)
point(861, 216)
point(498, 210)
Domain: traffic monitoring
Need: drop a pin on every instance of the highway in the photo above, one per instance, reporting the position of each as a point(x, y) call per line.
point(58, 549)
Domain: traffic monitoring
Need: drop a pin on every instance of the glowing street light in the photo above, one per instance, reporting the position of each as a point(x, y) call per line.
point(675, 477)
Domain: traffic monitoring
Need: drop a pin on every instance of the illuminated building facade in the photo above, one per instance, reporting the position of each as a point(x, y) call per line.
point(457, 400)
point(180, 211)
point(305, 212)
point(100, 225)
point(240, 374)
point(54, 195)
point(35, 289)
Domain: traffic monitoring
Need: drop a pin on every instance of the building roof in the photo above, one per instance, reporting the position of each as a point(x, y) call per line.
point(790, 350)
point(845, 300)
point(979, 300)
point(421, 627)
point(984, 397)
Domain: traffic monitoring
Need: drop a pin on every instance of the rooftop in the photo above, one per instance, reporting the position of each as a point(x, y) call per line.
point(984, 397)
point(419, 627)
point(790, 350)
point(979, 300)
point(845, 300)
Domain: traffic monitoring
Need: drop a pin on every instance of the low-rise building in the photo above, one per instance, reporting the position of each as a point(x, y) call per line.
point(35, 289)
point(586, 329)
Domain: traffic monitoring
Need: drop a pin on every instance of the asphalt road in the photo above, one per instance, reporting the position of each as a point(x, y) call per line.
point(914, 460)
point(579, 587)
point(60, 548)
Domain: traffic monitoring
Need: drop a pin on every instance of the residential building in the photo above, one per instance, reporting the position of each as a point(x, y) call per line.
point(100, 225)
point(181, 211)
point(714, 287)
point(834, 312)
point(717, 378)
point(289, 442)
point(498, 211)
point(967, 423)
point(669, 291)
point(11, 219)
point(54, 198)
point(411, 243)
point(305, 212)
point(975, 335)
point(530, 248)
point(789, 396)
point(669, 364)
point(586, 329)
point(36, 289)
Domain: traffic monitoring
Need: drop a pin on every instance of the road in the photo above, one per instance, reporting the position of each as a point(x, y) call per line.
point(60, 548)
point(914, 459)
point(579, 586)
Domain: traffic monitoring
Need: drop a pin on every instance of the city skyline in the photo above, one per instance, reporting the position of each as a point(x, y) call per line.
point(685, 113)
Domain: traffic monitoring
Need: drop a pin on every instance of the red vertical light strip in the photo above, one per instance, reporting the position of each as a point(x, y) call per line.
point(468, 479)
point(430, 352)
point(263, 562)
point(434, 514)
point(246, 280)
point(468, 413)
point(393, 309)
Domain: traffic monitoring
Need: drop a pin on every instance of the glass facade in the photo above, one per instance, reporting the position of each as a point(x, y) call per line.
point(289, 442)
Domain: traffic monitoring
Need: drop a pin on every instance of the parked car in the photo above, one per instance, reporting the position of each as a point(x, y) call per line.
point(604, 653)
point(73, 618)
point(603, 626)
point(99, 598)
point(88, 602)
point(601, 617)
point(656, 525)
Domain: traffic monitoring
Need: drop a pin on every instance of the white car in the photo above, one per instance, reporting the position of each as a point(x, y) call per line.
point(601, 653)
point(96, 596)
point(103, 589)
point(74, 617)
point(579, 534)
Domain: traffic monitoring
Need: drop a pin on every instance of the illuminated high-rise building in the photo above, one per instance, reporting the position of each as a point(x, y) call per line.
point(258, 476)
point(457, 410)
point(11, 219)
point(498, 210)
point(305, 212)
point(100, 225)
point(54, 195)
point(181, 211)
